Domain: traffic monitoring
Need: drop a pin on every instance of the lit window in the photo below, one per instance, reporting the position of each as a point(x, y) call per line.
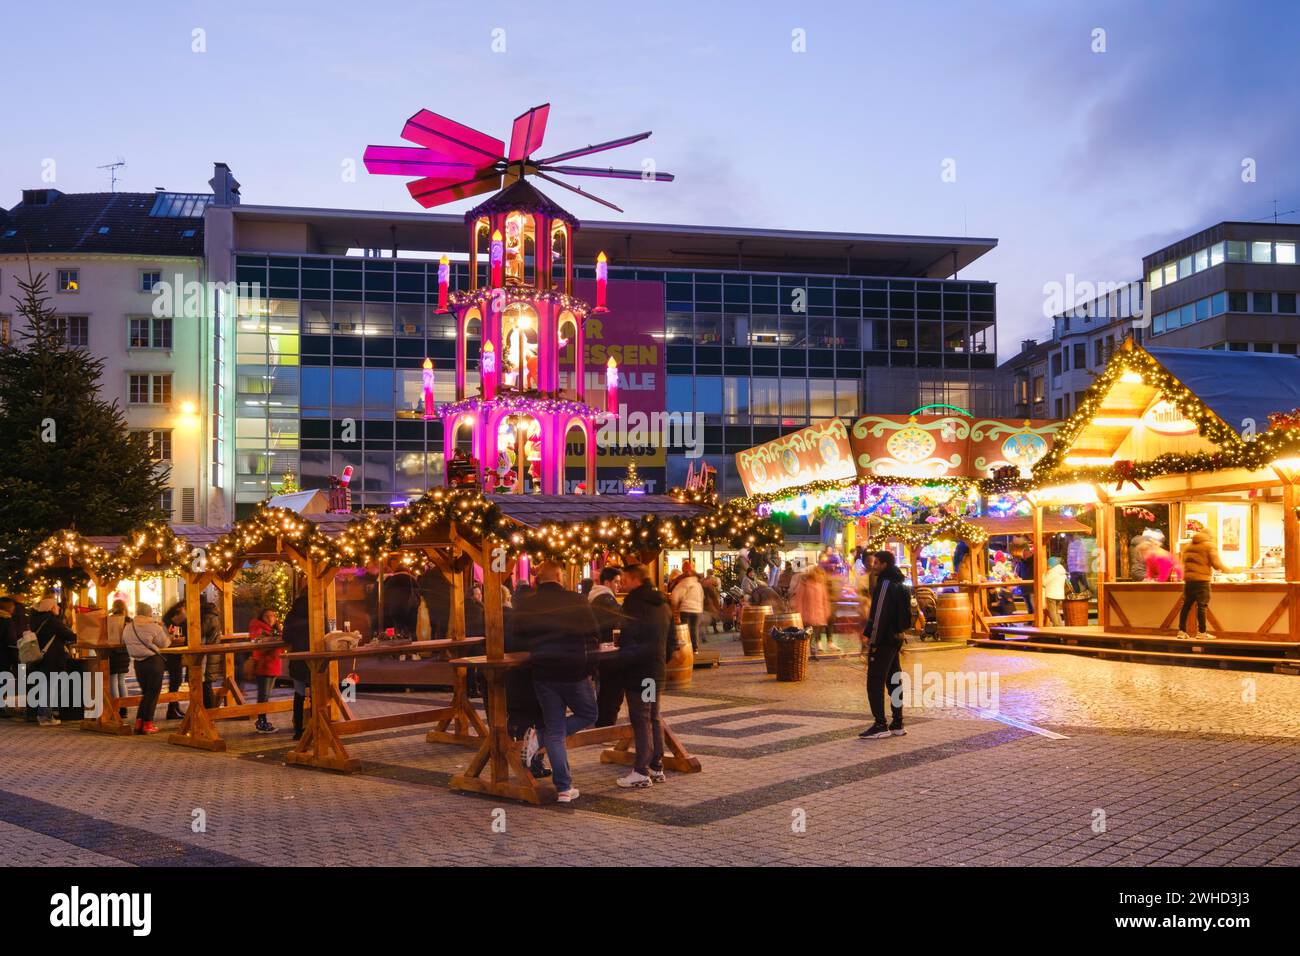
point(160, 444)
point(1285, 253)
point(1156, 279)
point(149, 389)
point(1261, 252)
point(69, 280)
point(1216, 254)
point(1171, 272)
point(150, 333)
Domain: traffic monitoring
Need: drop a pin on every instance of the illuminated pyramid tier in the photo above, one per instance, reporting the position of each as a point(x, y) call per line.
point(530, 330)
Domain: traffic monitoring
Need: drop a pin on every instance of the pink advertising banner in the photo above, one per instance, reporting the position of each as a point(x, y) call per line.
point(631, 332)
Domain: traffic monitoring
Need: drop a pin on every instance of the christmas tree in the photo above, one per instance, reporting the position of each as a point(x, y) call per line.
point(632, 481)
point(67, 459)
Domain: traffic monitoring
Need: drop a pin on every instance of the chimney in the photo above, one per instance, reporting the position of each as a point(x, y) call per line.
point(40, 197)
point(225, 188)
point(1027, 344)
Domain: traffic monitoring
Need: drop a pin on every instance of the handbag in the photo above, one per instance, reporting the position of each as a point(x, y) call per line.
point(29, 648)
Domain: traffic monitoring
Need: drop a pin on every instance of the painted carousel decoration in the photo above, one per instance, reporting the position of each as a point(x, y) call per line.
point(511, 436)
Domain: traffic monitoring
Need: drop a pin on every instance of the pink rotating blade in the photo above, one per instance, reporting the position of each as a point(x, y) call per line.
point(435, 192)
point(451, 141)
point(527, 132)
point(413, 161)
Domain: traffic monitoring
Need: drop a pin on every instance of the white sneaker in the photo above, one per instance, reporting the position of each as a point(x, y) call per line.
point(531, 746)
point(1184, 636)
point(1207, 636)
point(567, 796)
point(634, 781)
point(658, 776)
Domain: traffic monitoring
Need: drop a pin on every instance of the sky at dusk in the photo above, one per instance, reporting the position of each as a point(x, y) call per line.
point(1075, 161)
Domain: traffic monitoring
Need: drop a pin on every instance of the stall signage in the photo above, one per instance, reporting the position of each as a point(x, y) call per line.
point(817, 453)
point(1165, 418)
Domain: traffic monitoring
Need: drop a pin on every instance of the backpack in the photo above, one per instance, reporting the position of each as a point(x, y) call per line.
point(29, 648)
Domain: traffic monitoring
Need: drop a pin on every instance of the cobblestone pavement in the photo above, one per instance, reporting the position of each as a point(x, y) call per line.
point(1078, 761)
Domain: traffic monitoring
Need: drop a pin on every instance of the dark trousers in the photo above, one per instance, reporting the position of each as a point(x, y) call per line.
point(648, 730)
point(264, 685)
point(885, 672)
point(609, 695)
point(1078, 581)
point(693, 622)
point(1198, 593)
point(175, 668)
point(149, 672)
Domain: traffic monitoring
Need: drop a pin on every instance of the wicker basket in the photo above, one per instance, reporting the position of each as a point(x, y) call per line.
point(1076, 612)
point(792, 659)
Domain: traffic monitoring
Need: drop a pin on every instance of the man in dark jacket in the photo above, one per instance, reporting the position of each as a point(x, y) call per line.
point(55, 637)
point(890, 616)
point(644, 649)
point(609, 675)
point(558, 630)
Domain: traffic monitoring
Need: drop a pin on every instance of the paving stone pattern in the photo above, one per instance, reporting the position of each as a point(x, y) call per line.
point(1152, 764)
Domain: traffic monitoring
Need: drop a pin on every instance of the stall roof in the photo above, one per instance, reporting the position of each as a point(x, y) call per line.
point(1024, 524)
point(1236, 386)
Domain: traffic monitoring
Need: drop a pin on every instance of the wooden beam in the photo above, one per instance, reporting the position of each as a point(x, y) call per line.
point(1040, 565)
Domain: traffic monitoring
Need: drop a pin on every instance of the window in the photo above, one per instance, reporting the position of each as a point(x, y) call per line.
point(1237, 302)
point(69, 280)
point(1218, 303)
point(165, 501)
point(1184, 267)
point(1080, 355)
point(1039, 389)
point(160, 443)
point(1056, 364)
point(1216, 254)
point(1261, 252)
point(1202, 261)
point(150, 333)
point(1099, 352)
point(1171, 272)
point(1156, 278)
point(149, 278)
point(75, 330)
point(1284, 253)
point(1286, 302)
point(6, 329)
point(149, 388)
point(1261, 302)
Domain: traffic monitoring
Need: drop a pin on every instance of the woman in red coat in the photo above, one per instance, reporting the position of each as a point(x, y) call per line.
point(266, 664)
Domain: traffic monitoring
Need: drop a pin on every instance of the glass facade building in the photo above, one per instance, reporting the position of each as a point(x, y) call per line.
point(327, 356)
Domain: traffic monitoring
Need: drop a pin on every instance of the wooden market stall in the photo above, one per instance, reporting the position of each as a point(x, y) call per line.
point(1215, 438)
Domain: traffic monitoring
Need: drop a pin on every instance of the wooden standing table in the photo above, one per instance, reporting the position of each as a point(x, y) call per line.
point(321, 745)
point(198, 729)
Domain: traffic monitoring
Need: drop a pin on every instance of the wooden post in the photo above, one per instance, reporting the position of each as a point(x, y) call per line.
point(1040, 565)
point(456, 620)
point(1291, 550)
point(1105, 542)
point(493, 608)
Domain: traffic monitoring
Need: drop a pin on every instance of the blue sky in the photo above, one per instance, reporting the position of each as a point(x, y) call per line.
point(1076, 161)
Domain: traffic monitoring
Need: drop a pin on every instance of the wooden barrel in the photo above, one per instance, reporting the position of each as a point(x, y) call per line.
point(753, 620)
point(954, 616)
point(681, 666)
point(780, 622)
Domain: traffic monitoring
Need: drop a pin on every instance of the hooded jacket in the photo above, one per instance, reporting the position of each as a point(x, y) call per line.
point(895, 616)
point(605, 606)
point(1201, 559)
point(144, 637)
point(645, 636)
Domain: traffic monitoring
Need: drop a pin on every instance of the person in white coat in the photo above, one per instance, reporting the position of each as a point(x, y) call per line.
point(687, 597)
point(1054, 589)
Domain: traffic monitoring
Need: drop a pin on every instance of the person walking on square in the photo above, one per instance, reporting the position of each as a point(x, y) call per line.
point(145, 640)
point(1054, 590)
point(1200, 561)
point(712, 619)
point(558, 630)
point(813, 604)
point(609, 677)
point(645, 644)
point(687, 595)
point(889, 618)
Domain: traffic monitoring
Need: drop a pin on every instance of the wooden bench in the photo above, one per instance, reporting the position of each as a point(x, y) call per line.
point(321, 745)
point(501, 755)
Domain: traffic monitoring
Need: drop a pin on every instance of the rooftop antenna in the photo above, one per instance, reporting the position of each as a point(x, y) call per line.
point(112, 172)
point(1275, 215)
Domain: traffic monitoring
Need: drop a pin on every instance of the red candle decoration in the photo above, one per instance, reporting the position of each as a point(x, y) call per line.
point(602, 280)
point(498, 258)
point(611, 385)
point(427, 376)
point(444, 277)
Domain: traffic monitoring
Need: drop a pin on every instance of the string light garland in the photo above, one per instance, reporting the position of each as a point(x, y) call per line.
point(917, 535)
